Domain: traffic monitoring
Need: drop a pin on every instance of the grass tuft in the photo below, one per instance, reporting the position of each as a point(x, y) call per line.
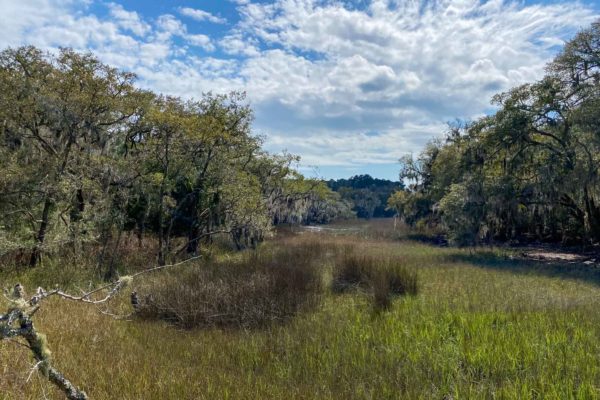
point(485, 325)
point(383, 278)
point(352, 272)
point(251, 291)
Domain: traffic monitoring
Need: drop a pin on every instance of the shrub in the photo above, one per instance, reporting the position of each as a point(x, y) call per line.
point(383, 277)
point(254, 290)
point(391, 278)
point(401, 279)
point(381, 293)
point(352, 272)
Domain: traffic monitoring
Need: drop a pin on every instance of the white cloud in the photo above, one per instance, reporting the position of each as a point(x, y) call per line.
point(200, 41)
point(427, 48)
point(356, 148)
point(19, 17)
point(201, 15)
point(151, 54)
point(345, 71)
point(321, 73)
point(236, 44)
point(128, 19)
point(169, 25)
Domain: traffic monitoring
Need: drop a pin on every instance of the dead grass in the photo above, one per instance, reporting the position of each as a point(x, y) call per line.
point(382, 278)
point(252, 290)
point(483, 326)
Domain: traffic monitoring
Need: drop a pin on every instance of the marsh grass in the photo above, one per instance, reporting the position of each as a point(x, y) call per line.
point(389, 279)
point(483, 326)
point(383, 278)
point(250, 291)
point(353, 272)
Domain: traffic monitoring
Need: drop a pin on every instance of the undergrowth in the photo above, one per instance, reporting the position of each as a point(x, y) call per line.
point(382, 278)
point(249, 291)
point(483, 326)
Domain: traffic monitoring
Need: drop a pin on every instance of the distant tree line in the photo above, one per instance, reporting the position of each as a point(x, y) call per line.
point(86, 156)
point(366, 195)
point(529, 172)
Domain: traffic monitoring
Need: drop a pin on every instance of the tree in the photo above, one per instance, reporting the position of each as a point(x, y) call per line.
point(87, 157)
point(61, 116)
point(367, 195)
point(531, 170)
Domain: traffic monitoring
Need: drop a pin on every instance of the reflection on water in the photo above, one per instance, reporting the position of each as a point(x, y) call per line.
point(312, 228)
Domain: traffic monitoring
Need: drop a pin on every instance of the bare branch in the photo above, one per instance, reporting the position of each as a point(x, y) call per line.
point(17, 322)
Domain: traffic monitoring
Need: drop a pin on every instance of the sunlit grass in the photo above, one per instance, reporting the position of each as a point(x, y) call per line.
point(482, 326)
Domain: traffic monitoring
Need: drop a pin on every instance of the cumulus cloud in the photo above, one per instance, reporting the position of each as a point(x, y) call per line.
point(322, 74)
point(236, 44)
point(413, 50)
point(344, 71)
point(128, 20)
point(201, 15)
point(170, 26)
point(200, 41)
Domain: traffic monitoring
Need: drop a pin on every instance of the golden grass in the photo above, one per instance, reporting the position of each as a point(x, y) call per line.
point(482, 326)
point(255, 290)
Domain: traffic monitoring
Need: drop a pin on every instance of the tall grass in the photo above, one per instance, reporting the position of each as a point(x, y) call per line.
point(383, 278)
point(391, 278)
point(253, 290)
point(483, 326)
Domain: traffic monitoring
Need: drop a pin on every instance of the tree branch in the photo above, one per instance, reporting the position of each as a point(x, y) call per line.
point(17, 322)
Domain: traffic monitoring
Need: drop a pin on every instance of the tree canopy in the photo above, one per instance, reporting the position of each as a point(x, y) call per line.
point(366, 195)
point(86, 156)
point(530, 171)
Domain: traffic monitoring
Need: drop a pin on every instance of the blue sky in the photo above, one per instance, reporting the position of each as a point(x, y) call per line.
point(349, 85)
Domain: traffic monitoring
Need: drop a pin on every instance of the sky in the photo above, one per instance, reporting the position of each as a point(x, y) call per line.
point(349, 85)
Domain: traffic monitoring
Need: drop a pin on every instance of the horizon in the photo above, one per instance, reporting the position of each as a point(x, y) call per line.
point(350, 86)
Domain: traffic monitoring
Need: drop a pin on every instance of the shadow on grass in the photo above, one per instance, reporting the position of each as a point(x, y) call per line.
point(554, 269)
point(435, 240)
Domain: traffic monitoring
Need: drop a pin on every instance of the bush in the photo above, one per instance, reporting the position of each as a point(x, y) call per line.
point(390, 278)
point(383, 278)
point(254, 290)
point(401, 279)
point(352, 272)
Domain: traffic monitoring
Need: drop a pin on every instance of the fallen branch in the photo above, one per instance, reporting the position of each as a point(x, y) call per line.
point(18, 323)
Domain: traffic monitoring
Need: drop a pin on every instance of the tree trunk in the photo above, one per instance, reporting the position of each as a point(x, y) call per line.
point(194, 231)
point(111, 272)
point(140, 233)
point(193, 235)
point(592, 217)
point(161, 207)
point(41, 235)
point(36, 343)
point(161, 233)
point(36, 253)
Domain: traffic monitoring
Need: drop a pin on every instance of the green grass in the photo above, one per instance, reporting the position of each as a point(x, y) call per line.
point(482, 326)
